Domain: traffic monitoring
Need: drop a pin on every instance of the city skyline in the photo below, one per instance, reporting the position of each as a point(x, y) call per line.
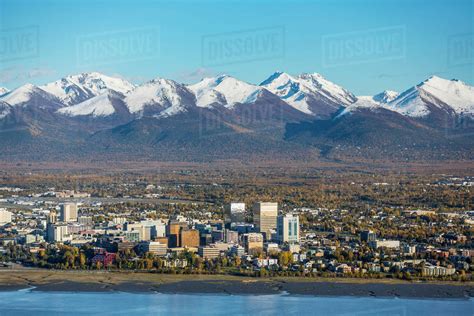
point(225, 157)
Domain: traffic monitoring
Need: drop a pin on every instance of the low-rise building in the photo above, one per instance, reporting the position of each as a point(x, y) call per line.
point(208, 252)
point(5, 217)
point(153, 247)
point(435, 271)
point(385, 244)
point(253, 243)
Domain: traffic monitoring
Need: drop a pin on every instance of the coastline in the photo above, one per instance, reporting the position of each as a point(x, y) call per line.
point(129, 282)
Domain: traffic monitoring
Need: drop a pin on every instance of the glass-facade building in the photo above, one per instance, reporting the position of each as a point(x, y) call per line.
point(288, 229)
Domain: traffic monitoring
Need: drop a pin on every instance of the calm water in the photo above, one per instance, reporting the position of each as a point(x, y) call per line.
point(41, 303)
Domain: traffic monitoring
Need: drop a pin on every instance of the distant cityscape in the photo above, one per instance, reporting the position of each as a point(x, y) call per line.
point(256, 240)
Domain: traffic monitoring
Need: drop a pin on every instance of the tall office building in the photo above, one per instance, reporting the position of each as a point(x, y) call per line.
point(57, 232)
point(234, 213)
point(158, 228)
point(265, 218)
point(288, 229)
point(173, 232)
point(68, 212)
point(189, 237)
point(5, 217)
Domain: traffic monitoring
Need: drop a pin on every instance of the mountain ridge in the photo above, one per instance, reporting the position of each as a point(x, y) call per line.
point(224, 117)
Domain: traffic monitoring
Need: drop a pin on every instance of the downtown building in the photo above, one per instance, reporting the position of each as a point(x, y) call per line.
point(253, 243)
point(368, 236)
point(57, 232)
point(5, 217)
point(234, 213)
point(209, 252)
point(265, 218)
point(288, 229)
point(154, 247)
point(68, 212)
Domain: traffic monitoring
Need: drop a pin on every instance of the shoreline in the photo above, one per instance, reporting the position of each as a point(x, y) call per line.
point(112, 282)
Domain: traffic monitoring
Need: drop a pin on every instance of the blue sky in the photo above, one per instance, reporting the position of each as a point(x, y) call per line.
point(381, 44)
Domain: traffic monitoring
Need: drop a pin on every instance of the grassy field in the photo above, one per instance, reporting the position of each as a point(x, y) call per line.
point(37, 277)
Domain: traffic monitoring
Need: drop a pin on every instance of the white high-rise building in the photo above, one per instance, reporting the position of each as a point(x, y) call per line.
point(265, 217)
point(57, 232)
point(5, 217)
point(138, 227)
point(288, 229)
point(148, 229)
point(157, 228)
point(68, 212)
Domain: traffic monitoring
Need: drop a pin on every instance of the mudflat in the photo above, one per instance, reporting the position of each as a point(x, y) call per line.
point(130, 282)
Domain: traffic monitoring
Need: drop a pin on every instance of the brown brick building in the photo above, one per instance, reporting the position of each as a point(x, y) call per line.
point(173, 232)
point(189, 238)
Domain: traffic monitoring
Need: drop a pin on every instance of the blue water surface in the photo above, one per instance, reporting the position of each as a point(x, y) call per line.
point(59, 303)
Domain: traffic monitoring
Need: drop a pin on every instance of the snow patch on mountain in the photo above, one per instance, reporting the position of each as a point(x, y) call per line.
point(22, 95)
point(385, 96)
point(375, 102)
point(452, 93)
point(98, 106)
point(455, 93)
point(410, 103)
point(330, 90)
point(363, 102)
point(19, 95)
point(163, 92)
point(224, 90)
point(301, 91)
point(77, 88)
point(289, 89)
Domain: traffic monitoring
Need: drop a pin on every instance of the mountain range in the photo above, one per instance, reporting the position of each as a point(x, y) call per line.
point(305, 117)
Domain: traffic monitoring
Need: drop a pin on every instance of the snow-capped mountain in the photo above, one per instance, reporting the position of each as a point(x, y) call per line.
point(90, 112)
point(435, 94)
point(98, 106)
point(161, 97)
point(3, 91)
point(377, 101)
point(309, 93)
point(88, 94)
point(363, 102)
point(21, 94)
point(385, 96)
point(78, 88)
point(30, 95)
point(328, 89)
point(224, 90)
